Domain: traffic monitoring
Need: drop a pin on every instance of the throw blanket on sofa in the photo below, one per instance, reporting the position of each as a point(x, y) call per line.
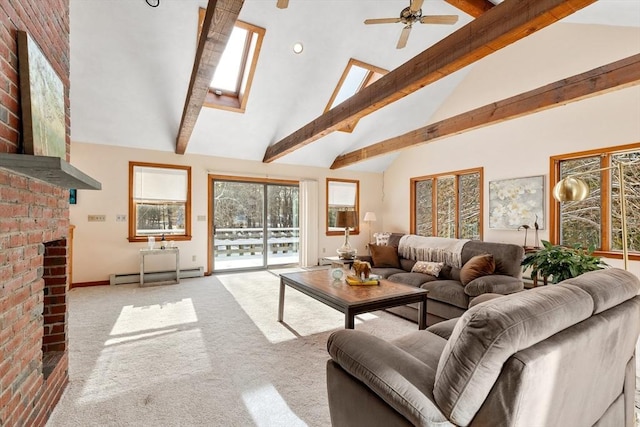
point(435, 249)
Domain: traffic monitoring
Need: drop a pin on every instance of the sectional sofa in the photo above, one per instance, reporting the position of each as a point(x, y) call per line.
point(477, 268)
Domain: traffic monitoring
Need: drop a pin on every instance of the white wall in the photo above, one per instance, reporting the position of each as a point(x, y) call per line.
point(102, 248)
point(522, 147)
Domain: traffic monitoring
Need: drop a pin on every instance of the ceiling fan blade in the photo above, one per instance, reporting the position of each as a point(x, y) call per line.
point(382, 21)
point(282, 4)
point(439, 19)
point(404, 36)
point(416, 5)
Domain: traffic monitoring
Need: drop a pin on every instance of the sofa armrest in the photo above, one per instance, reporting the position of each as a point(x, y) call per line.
point(401, 380)
point(493, 283)
point(443, 329)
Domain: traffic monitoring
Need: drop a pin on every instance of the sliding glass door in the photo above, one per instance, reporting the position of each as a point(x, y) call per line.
point(254, 223)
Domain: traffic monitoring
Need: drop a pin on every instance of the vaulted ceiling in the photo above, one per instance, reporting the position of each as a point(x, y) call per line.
point(131, 68)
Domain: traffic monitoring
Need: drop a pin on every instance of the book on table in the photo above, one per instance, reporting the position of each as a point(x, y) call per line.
point(358, 281)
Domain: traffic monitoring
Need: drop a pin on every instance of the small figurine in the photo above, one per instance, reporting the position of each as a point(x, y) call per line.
point(526, 230)
point(362, 269)
point(537, 227)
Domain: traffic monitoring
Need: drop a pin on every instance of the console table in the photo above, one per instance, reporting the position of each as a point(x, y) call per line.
point(146, 252)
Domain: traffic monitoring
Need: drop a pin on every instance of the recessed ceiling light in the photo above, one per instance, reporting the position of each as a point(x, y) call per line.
point(298, 47)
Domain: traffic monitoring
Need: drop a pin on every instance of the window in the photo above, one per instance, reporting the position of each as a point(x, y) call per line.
point(448, 205)
point(342, 194)
point(596, 220)
point(355, 77)
point(231, 83)
point(159, 201)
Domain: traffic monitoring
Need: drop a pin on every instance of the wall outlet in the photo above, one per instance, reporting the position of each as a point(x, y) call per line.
point(193, 258)
point(96, 218)
point(121, 218)
point(202, 217)
point(324, 250)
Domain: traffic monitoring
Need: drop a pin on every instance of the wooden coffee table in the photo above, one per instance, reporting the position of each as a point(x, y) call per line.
point(353, 300)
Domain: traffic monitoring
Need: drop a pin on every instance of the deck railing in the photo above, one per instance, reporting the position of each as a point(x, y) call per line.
point(241, 241)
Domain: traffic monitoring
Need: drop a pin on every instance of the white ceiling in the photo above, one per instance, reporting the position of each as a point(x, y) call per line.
point(131, 65)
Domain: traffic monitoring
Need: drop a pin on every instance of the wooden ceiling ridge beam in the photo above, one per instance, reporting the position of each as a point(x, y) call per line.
point(218, 23)
point(607, 78)
point(502, 25)
point(474, 8)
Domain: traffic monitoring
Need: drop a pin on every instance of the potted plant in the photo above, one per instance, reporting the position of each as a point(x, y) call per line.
point(561, 262)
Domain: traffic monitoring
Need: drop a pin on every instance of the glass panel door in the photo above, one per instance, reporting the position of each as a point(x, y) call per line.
point(238, 236)
point(255, 224)
point(283, 229)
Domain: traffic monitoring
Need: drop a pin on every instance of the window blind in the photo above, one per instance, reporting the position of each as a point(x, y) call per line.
point(160, 184)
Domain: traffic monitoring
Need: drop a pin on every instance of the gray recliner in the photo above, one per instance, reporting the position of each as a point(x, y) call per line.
point(558, 355)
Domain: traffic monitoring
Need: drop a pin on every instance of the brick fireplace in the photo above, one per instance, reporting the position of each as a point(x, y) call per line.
point(34, 227)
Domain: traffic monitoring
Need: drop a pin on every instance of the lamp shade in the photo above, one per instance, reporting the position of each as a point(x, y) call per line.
point(347, 219)
point(370, 216)
point(570, 189)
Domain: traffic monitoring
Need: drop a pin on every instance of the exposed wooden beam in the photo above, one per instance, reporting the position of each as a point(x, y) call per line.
point(610, 77)
point(217, 26)
point(474, 8)
point(502, 25)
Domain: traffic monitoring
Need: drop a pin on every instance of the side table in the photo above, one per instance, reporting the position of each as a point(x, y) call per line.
point(146, 252)
point(337, 262)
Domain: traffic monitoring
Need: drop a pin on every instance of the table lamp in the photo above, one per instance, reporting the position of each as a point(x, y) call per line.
point(346, 219)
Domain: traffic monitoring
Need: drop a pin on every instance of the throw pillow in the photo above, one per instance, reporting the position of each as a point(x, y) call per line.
point(478, 266)
point(426, 267)
point(381, 238)
point(384, 256)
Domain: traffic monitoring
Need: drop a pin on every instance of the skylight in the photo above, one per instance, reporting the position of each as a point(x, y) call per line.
point(356, 76)
point(231, 63)
point(229, 88)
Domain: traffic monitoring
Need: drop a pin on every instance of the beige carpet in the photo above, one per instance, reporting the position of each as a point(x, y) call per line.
point(206, 352)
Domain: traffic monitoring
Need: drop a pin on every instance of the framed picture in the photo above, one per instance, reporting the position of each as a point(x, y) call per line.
point(516, 202)
point(42, 96)
point(73, 196)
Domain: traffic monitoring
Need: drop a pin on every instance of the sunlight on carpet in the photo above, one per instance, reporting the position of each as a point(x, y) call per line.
point(268, 408)
point(158, 328)
point(257, 294)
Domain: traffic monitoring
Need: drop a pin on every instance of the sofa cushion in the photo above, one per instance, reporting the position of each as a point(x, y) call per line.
point(507, 256)
point(384, 256)
point(413, 279)
point(385, 272)
point(426, 267)
point(621, 285)
point(489, 333)
point(448, 291)
point(478, 266)
point(496, 283)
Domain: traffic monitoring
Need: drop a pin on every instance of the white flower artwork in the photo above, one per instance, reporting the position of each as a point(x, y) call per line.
point(516, 202)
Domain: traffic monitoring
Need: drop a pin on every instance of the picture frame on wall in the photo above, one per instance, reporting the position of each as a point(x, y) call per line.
point(73, 196)
point(42, 97)
point(516, 202)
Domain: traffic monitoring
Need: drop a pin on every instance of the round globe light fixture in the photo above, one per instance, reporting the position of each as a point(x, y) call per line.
point(298, 47)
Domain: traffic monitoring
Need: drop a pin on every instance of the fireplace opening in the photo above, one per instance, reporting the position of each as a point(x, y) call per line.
point(54, 274)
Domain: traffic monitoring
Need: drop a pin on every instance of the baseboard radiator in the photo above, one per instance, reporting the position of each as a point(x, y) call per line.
point(121, 279)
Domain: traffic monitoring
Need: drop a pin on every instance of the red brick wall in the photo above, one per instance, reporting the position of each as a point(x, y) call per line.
point(31, 213)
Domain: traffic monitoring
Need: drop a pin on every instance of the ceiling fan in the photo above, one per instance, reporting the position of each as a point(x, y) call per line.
point(409, 16)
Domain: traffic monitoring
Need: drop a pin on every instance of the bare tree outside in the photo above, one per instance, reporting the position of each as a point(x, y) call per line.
point(466, 203)
point(581, 223)
point(446, 206)
point(469, 212)
point(424, 207)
